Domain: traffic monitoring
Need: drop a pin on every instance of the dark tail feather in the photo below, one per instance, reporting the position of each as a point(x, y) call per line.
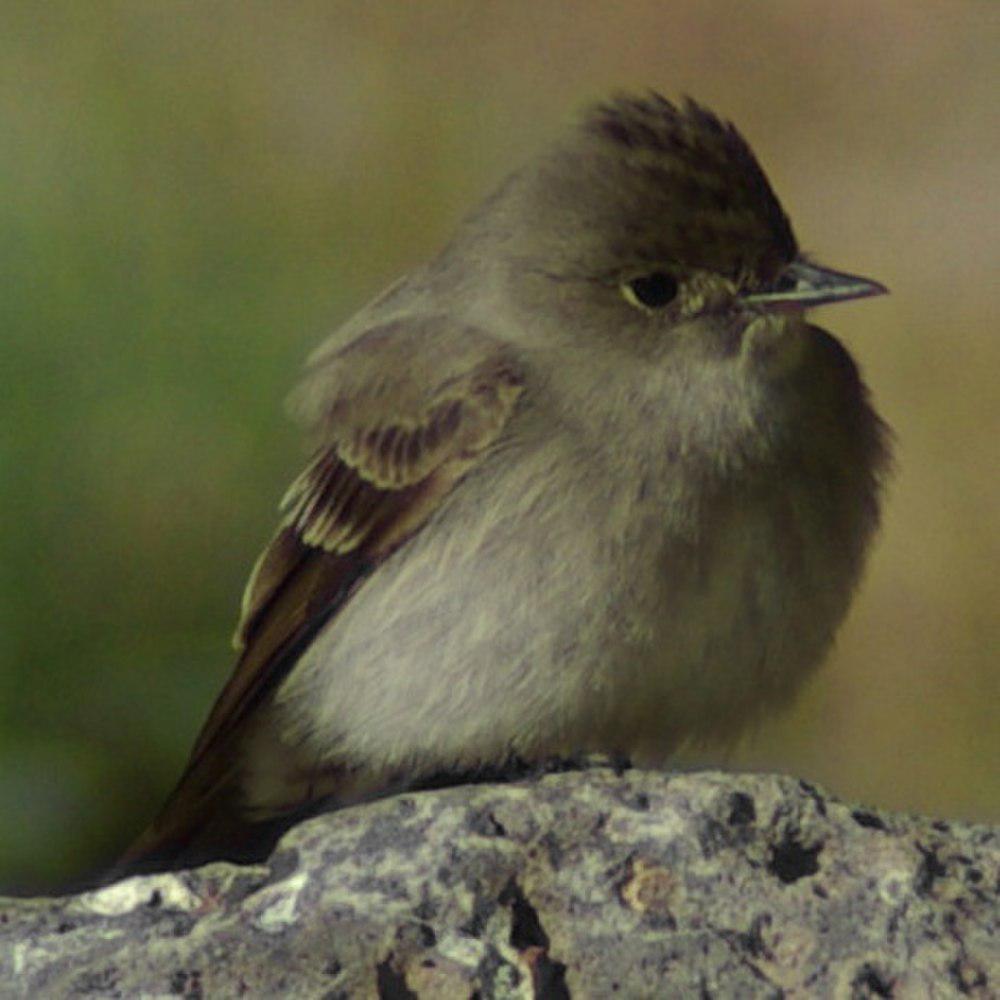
point(219, 836)
point(200, 822)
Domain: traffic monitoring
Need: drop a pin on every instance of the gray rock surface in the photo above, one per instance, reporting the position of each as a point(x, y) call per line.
point(582, 884)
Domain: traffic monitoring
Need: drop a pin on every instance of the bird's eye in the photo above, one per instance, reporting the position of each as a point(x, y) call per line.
point(651, 291)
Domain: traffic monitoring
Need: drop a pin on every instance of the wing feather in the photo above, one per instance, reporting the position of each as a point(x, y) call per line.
point(400, 429)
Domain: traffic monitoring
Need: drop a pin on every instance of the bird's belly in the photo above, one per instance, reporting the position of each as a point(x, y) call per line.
point(471, 647)
point(746, 611)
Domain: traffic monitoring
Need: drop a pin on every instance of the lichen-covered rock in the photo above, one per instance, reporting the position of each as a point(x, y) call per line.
point(582, 884)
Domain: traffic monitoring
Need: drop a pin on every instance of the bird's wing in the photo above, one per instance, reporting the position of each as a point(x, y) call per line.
point(402, 414)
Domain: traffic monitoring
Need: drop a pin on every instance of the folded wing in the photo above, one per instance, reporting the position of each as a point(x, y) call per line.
point(400, 424)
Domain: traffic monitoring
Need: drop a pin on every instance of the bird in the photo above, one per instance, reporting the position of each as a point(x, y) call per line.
point(587, 481)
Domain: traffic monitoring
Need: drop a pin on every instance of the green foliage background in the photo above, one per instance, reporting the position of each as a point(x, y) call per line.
point(192, 194)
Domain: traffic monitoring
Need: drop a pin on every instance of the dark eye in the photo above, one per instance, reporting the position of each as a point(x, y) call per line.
point(651, 291)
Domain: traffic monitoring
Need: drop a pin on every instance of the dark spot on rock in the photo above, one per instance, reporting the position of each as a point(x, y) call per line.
point(183, 925)
point(526, 930)
point(598, 825)
point(869, 982)
point(387, 835)
point(427, 936)
point(941, 826)
point(489, 970)
point(65, 926)
point(731, 826)
point(96, 981)
point(333, 967)
point(445, 874)
point(868, 820)
point(742, 811)
point(969, 978)
point(641, 802)
point(791, 859)
point(528, 936)
point(187, 983)
point(406, 808)
point(974, 875)
point(813, 792)
point(391, 983)
point(155, 899)
point(554, 850)
point(753, 940)
point(713, 836)
point(930, 870)
point(281, 866)
point(482, 909)
point(486, 824)
point(549, 978)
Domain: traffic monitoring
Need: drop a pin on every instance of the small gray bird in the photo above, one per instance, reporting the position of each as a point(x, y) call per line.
point(586, 482)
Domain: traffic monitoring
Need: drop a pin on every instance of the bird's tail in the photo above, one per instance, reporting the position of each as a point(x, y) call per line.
point(200, 822)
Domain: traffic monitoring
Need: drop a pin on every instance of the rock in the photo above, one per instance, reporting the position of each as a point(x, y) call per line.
point(581, 884)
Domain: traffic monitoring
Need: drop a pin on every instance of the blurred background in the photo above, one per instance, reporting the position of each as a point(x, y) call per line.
point(192, 195)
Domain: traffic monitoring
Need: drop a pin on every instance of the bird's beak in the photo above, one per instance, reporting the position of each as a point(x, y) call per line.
point(802, 285)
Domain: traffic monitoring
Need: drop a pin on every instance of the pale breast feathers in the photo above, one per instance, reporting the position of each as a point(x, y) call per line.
point(398, 429)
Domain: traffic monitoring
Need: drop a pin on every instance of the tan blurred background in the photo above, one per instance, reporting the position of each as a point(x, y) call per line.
point(192, 194)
